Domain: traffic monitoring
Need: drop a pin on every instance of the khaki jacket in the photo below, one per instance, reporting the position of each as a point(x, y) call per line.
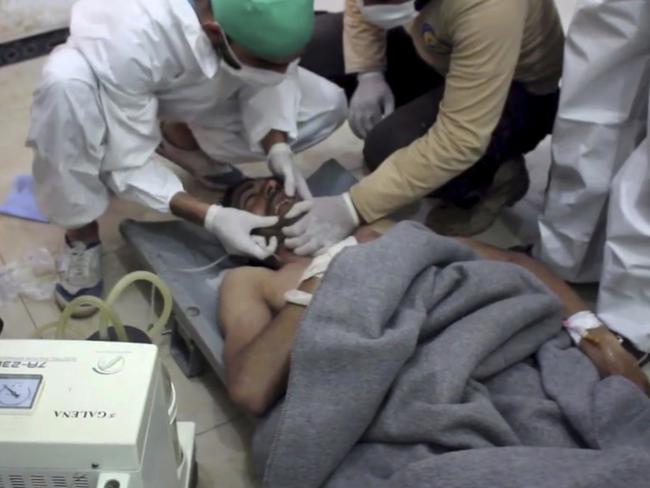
point(480, 47)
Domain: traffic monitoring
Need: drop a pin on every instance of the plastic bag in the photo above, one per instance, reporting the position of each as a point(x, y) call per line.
point(33, 276)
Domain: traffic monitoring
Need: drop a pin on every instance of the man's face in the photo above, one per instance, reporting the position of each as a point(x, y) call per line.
point(263, 196)
point(266, 197)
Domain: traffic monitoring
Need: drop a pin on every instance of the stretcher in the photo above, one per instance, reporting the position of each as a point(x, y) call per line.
point(171, 248)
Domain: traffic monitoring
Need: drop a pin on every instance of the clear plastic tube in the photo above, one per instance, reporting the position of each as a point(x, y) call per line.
point(148, 277)
point(201, 268)
point(107, 313)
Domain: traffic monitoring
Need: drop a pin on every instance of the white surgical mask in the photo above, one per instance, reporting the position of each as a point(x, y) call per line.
point(257, 77)
point(388, 16)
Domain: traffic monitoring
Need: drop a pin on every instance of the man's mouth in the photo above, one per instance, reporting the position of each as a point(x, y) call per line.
point(281, 203)
point(283, 207)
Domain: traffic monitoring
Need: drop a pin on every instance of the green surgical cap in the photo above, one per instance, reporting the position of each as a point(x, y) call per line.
point(270, 29)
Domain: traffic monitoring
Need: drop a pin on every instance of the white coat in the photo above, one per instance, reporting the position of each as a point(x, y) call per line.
point(129, 64)
point(596, 221)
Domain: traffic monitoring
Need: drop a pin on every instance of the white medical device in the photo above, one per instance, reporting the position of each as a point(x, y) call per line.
point(82, 414)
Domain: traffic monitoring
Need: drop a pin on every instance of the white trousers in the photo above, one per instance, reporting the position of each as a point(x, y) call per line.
point(596, 220)
point(68, 134)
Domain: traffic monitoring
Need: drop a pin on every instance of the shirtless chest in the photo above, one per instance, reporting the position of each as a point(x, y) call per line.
point(275, 285)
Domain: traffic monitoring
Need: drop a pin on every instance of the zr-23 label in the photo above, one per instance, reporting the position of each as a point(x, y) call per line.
point(23, 364)
point(32, 362)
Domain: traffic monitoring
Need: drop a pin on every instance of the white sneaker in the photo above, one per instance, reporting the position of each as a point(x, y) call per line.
point(80, 274)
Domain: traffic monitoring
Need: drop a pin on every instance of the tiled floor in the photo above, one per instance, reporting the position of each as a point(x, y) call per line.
point(223, 433)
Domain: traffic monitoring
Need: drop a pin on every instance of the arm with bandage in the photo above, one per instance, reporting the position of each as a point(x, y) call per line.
point(259, 328)
point(589, 334)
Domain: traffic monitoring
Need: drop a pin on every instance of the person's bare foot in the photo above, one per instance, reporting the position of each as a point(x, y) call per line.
point(611, 358)
point(180, 147)
point(180, 135)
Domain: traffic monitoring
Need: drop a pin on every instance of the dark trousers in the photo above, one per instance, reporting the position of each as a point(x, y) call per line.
point(418, 91)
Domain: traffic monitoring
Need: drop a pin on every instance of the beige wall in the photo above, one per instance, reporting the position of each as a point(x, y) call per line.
point(564, 6)
point(22, 18)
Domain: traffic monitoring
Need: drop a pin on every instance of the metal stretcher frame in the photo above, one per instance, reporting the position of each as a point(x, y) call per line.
point(165, 248)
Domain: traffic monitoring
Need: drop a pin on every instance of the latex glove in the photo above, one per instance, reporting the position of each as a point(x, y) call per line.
point(233, 228)
point(283, 165)
point(372, 101)
point(326, 221)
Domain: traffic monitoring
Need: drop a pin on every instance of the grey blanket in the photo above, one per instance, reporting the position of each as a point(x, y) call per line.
point(418, 365)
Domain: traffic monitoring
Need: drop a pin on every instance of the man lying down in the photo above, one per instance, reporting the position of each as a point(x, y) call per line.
point(415, 360)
